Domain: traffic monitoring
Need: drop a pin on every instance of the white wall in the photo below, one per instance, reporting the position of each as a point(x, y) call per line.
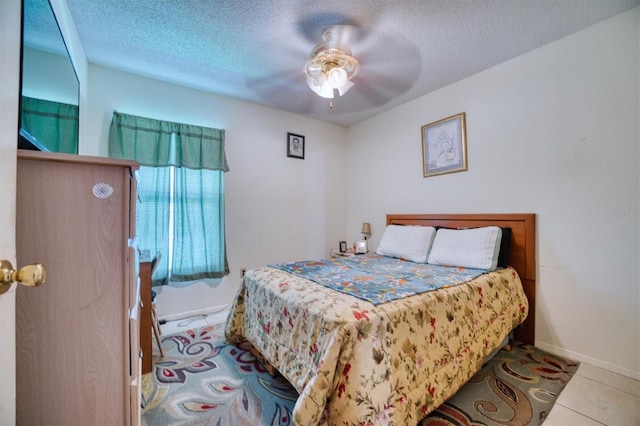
point(277, 208)
point(554, 132)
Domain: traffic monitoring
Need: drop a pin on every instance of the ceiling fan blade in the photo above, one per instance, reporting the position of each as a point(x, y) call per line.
point(388, 70)
point(288, 91)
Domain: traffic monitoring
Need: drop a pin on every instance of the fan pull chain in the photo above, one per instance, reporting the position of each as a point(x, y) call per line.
point(330, 104)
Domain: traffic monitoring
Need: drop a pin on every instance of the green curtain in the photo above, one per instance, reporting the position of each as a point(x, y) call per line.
point(160, 143)
point(199, 248)
point(152, 217)
point(53, 124)
point(181, 194)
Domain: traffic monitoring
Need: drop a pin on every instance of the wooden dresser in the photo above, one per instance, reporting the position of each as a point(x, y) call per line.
point(77, 336)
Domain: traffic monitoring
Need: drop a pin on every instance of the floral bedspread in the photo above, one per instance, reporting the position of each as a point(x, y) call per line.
point(356, 363)
point(378, 279)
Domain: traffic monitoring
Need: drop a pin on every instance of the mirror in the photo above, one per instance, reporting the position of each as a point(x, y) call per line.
point(49, 84)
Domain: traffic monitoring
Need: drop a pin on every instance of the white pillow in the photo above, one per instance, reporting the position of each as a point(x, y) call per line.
point(407, 242)
point(476, 248)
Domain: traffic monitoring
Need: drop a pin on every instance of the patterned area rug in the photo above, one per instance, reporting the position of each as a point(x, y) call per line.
point(202, 380)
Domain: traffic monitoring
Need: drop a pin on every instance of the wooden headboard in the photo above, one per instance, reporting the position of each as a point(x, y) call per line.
point(522, 252)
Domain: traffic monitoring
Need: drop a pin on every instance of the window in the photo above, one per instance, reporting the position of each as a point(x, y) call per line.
point(180, 213)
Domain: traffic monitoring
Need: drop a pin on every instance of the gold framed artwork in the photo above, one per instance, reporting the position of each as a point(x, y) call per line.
point(444, 146)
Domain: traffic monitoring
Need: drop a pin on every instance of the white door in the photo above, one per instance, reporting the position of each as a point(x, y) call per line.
point(9, 87)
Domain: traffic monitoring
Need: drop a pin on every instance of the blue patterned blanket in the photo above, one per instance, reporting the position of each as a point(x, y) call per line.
point(378, 279)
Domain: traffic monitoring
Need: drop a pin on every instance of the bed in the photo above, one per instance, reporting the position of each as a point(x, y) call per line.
point(356, 362)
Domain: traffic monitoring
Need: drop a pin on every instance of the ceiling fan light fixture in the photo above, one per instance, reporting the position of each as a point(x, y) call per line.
point(337, 77)
point(320, 85)
point(326, 91)
point(315, 83)
point(330, 67)
point(345, 87)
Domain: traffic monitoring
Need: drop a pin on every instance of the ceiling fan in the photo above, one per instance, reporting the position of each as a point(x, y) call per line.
point(373, 66)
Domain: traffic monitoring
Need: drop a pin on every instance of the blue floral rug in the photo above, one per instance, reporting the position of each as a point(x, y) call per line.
point(202, 380)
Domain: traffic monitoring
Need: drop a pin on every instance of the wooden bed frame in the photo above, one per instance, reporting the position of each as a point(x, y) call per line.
point(522, 253)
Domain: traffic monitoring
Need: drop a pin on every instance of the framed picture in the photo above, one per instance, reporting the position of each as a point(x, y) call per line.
point(361, 247)
point(343, 246)
point(444, 146)
point(295, 145)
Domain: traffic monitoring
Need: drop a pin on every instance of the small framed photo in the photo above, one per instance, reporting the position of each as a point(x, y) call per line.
point(444, 146)
point(343, 246)
point(295, 146)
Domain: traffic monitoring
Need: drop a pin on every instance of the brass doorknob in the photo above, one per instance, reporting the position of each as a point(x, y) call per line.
point(30, 275)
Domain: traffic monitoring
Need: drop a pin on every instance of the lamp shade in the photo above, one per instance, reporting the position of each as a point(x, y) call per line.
point(366, 229)
point(346, 86)
point(337, 77)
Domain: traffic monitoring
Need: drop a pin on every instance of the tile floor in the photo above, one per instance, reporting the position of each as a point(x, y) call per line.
point(593, 397)
point(597, 397)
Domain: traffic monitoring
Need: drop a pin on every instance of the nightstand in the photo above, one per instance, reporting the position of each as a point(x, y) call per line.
point(337, 253)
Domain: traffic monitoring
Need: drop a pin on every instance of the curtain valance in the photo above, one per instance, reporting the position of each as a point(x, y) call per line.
point(158, 143)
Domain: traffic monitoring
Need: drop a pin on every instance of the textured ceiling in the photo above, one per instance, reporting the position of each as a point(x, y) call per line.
point(256, 49)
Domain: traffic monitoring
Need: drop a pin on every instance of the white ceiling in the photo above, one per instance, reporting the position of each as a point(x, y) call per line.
point(256, 49)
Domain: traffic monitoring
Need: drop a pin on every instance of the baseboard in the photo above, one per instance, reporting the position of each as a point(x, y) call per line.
point(205, 311)
point(587, 359)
